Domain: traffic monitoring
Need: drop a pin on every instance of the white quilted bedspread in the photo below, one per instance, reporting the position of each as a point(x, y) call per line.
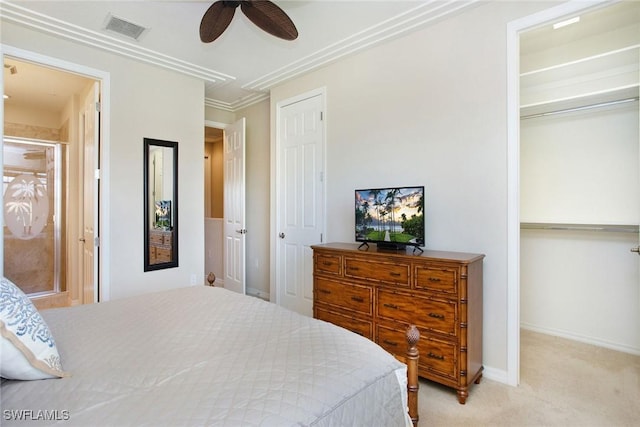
point(207, 356)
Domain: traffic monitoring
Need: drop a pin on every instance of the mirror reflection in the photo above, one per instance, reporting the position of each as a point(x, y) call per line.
point(161, 204)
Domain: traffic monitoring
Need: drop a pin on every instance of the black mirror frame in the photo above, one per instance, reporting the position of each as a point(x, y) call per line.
point(148, 142)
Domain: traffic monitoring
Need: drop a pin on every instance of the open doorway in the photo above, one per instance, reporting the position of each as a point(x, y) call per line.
point(566, 86)
point(225, 238)
point(579, 169)
point(51, 135)
point(213, 204)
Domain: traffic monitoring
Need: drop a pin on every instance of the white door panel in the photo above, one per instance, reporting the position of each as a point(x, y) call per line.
point(234, 207)
point(89, 292)
point(300, 200)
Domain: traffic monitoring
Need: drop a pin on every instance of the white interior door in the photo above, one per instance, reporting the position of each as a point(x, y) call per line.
point(234, 207)
point(637, 248)
point(90, 290)
point(300, 199)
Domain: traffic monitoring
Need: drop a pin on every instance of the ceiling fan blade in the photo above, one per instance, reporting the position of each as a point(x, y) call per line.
point(270, 18)
point(216, 19)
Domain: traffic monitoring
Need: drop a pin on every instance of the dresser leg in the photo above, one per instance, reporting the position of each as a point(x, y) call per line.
point(462, 396)
point(477, 381)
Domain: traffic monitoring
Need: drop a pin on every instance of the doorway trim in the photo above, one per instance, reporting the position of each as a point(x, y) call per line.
point(217, 125)
point(514, 28)
point(102, 220)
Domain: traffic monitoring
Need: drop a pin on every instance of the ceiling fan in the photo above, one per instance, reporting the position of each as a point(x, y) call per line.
point(265, 14)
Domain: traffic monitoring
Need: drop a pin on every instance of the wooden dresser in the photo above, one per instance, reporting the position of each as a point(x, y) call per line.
point(160, 246)
point(378, 293)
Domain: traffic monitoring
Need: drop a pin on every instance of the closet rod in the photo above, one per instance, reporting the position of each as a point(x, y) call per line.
point(611, 228)
point(581, 108)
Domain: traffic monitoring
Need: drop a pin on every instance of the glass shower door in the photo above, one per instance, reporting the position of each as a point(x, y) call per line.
point(33, 218)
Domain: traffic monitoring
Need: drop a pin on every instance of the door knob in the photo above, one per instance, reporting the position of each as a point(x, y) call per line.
point(242, 231)
point(281, 235)
point(636, 250)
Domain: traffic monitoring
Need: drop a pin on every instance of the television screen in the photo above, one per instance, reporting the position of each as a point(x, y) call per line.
point(391, 216)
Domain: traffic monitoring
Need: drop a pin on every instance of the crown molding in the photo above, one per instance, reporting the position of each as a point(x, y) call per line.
point(236, 105)
point(13, 13)
point(409, 21)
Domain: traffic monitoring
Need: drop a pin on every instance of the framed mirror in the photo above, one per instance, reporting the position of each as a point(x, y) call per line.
point(160, 204)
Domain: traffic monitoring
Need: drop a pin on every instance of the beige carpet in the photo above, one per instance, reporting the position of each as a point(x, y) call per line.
point(562, 383)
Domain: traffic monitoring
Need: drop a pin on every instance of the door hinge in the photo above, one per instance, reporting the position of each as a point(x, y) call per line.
point(321, 238)
point(96, 241)
point(98, 107)
point(321, 115)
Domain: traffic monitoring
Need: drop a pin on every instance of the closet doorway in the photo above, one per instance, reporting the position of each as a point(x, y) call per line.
point(580, 177)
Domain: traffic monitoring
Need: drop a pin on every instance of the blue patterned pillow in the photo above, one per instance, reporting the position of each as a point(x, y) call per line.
point(27, 349)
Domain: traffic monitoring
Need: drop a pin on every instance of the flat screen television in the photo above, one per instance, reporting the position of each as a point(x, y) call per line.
point(393, 218)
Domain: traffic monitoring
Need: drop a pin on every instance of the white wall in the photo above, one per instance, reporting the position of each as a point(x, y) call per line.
point(581, 285)
point(33, 117)
point(581, 167)
point(429, 108)
point(214, 238)
point(145, 102)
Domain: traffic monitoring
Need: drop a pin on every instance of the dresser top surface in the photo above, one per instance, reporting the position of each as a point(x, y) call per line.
point(408, 252)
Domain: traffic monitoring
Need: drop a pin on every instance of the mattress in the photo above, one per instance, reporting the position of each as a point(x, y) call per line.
point(207, 356)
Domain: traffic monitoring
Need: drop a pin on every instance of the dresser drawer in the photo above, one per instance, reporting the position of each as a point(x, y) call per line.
point(437, 315)
point(156, 238)
point(328, 264)
point(350, 297)
point(439, 357)
point(386, 272)
point(359, 326)
point(163, 254)
point(437, 279)
point(436, 356)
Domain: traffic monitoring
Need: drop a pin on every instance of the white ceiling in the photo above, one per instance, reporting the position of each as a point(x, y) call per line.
point(40, 88)
point(604, 19)
point(242, 65)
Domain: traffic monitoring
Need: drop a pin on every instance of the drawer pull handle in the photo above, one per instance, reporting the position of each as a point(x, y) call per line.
point(327, 263)
point(434, 279)
point(357, 299)
point(394, 274)
point(435, 356)
point(395, 307)
point(354, 268)
point(324, 291)
point(391, 343)
point(436, 315)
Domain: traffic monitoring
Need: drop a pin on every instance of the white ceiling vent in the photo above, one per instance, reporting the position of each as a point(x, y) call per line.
point(125, 28)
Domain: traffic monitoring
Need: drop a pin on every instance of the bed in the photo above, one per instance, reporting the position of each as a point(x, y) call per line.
point(207, 356)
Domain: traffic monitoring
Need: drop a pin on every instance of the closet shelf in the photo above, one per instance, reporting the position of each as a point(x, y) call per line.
point(610, 228)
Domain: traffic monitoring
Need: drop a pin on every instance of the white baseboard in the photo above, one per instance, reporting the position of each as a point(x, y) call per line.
point(581, 338)
point(258, 293)
point(494, 374)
